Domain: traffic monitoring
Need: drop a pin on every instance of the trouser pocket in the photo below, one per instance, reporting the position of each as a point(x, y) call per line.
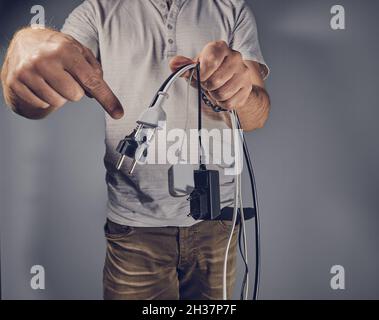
point(115, 231)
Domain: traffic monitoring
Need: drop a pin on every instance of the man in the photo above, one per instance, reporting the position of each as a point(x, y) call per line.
point(118, 52)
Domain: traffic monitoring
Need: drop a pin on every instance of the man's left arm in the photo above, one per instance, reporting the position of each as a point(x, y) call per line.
point(232, 83)
point(254, 113)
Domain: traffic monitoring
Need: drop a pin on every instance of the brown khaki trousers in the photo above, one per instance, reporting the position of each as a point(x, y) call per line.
point(168, 263)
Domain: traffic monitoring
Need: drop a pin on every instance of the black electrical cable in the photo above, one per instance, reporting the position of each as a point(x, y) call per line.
point(242, 253)
point(257, 222)
point(199, 100)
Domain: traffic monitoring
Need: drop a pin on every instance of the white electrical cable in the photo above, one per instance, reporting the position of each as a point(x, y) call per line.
point(236, 203)
point(172, 80)
point(187, 117)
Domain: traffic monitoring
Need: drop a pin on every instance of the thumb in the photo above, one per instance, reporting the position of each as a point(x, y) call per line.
point(179, 61)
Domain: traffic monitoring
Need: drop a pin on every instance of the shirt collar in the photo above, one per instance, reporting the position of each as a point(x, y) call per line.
point(177, 2)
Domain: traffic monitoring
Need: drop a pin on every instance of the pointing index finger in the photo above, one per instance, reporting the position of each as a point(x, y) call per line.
point(90, 78)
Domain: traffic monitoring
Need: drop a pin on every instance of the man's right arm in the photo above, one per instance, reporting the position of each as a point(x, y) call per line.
point(44, 68)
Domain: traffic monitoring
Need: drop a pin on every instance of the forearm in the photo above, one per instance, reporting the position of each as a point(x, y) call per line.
point(255, 112)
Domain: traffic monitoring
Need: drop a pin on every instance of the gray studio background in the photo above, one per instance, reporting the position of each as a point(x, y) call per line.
point(316, 164)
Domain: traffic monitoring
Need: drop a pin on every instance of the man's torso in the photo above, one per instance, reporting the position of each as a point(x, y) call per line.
point(135, 41)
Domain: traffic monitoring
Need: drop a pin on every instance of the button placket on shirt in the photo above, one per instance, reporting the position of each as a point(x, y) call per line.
point(161, 5)
point(170, 20)
point(171, 28)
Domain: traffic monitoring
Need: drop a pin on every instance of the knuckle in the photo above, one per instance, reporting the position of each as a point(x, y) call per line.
point(98, 70)
point(64, 42)
point(35, 63)
point(223, 95)
point(93, 81)
point(237, 55)
point(209, 56)
point(10, 80)
point(213, 83)
point(217, 45)
point(210, 62)
point(77, 95)
point(34, 60)
point(212, 45)
point(53, 53)
point(219, 95)
point(213, 49)
point(58, 50)
point(222, 46)
point(17, 75)
point(58, 102)
point(21, 71)
point(75, 61)
point(222, 43)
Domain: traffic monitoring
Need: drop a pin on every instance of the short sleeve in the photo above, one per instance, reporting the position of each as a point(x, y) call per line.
point(244, 38)
point(81, 25)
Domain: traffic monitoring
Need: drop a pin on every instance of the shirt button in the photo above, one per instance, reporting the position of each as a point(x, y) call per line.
point(170, 41)
point(169, 27)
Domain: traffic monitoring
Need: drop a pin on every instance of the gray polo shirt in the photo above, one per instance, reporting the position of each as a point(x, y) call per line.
point(134, 40)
